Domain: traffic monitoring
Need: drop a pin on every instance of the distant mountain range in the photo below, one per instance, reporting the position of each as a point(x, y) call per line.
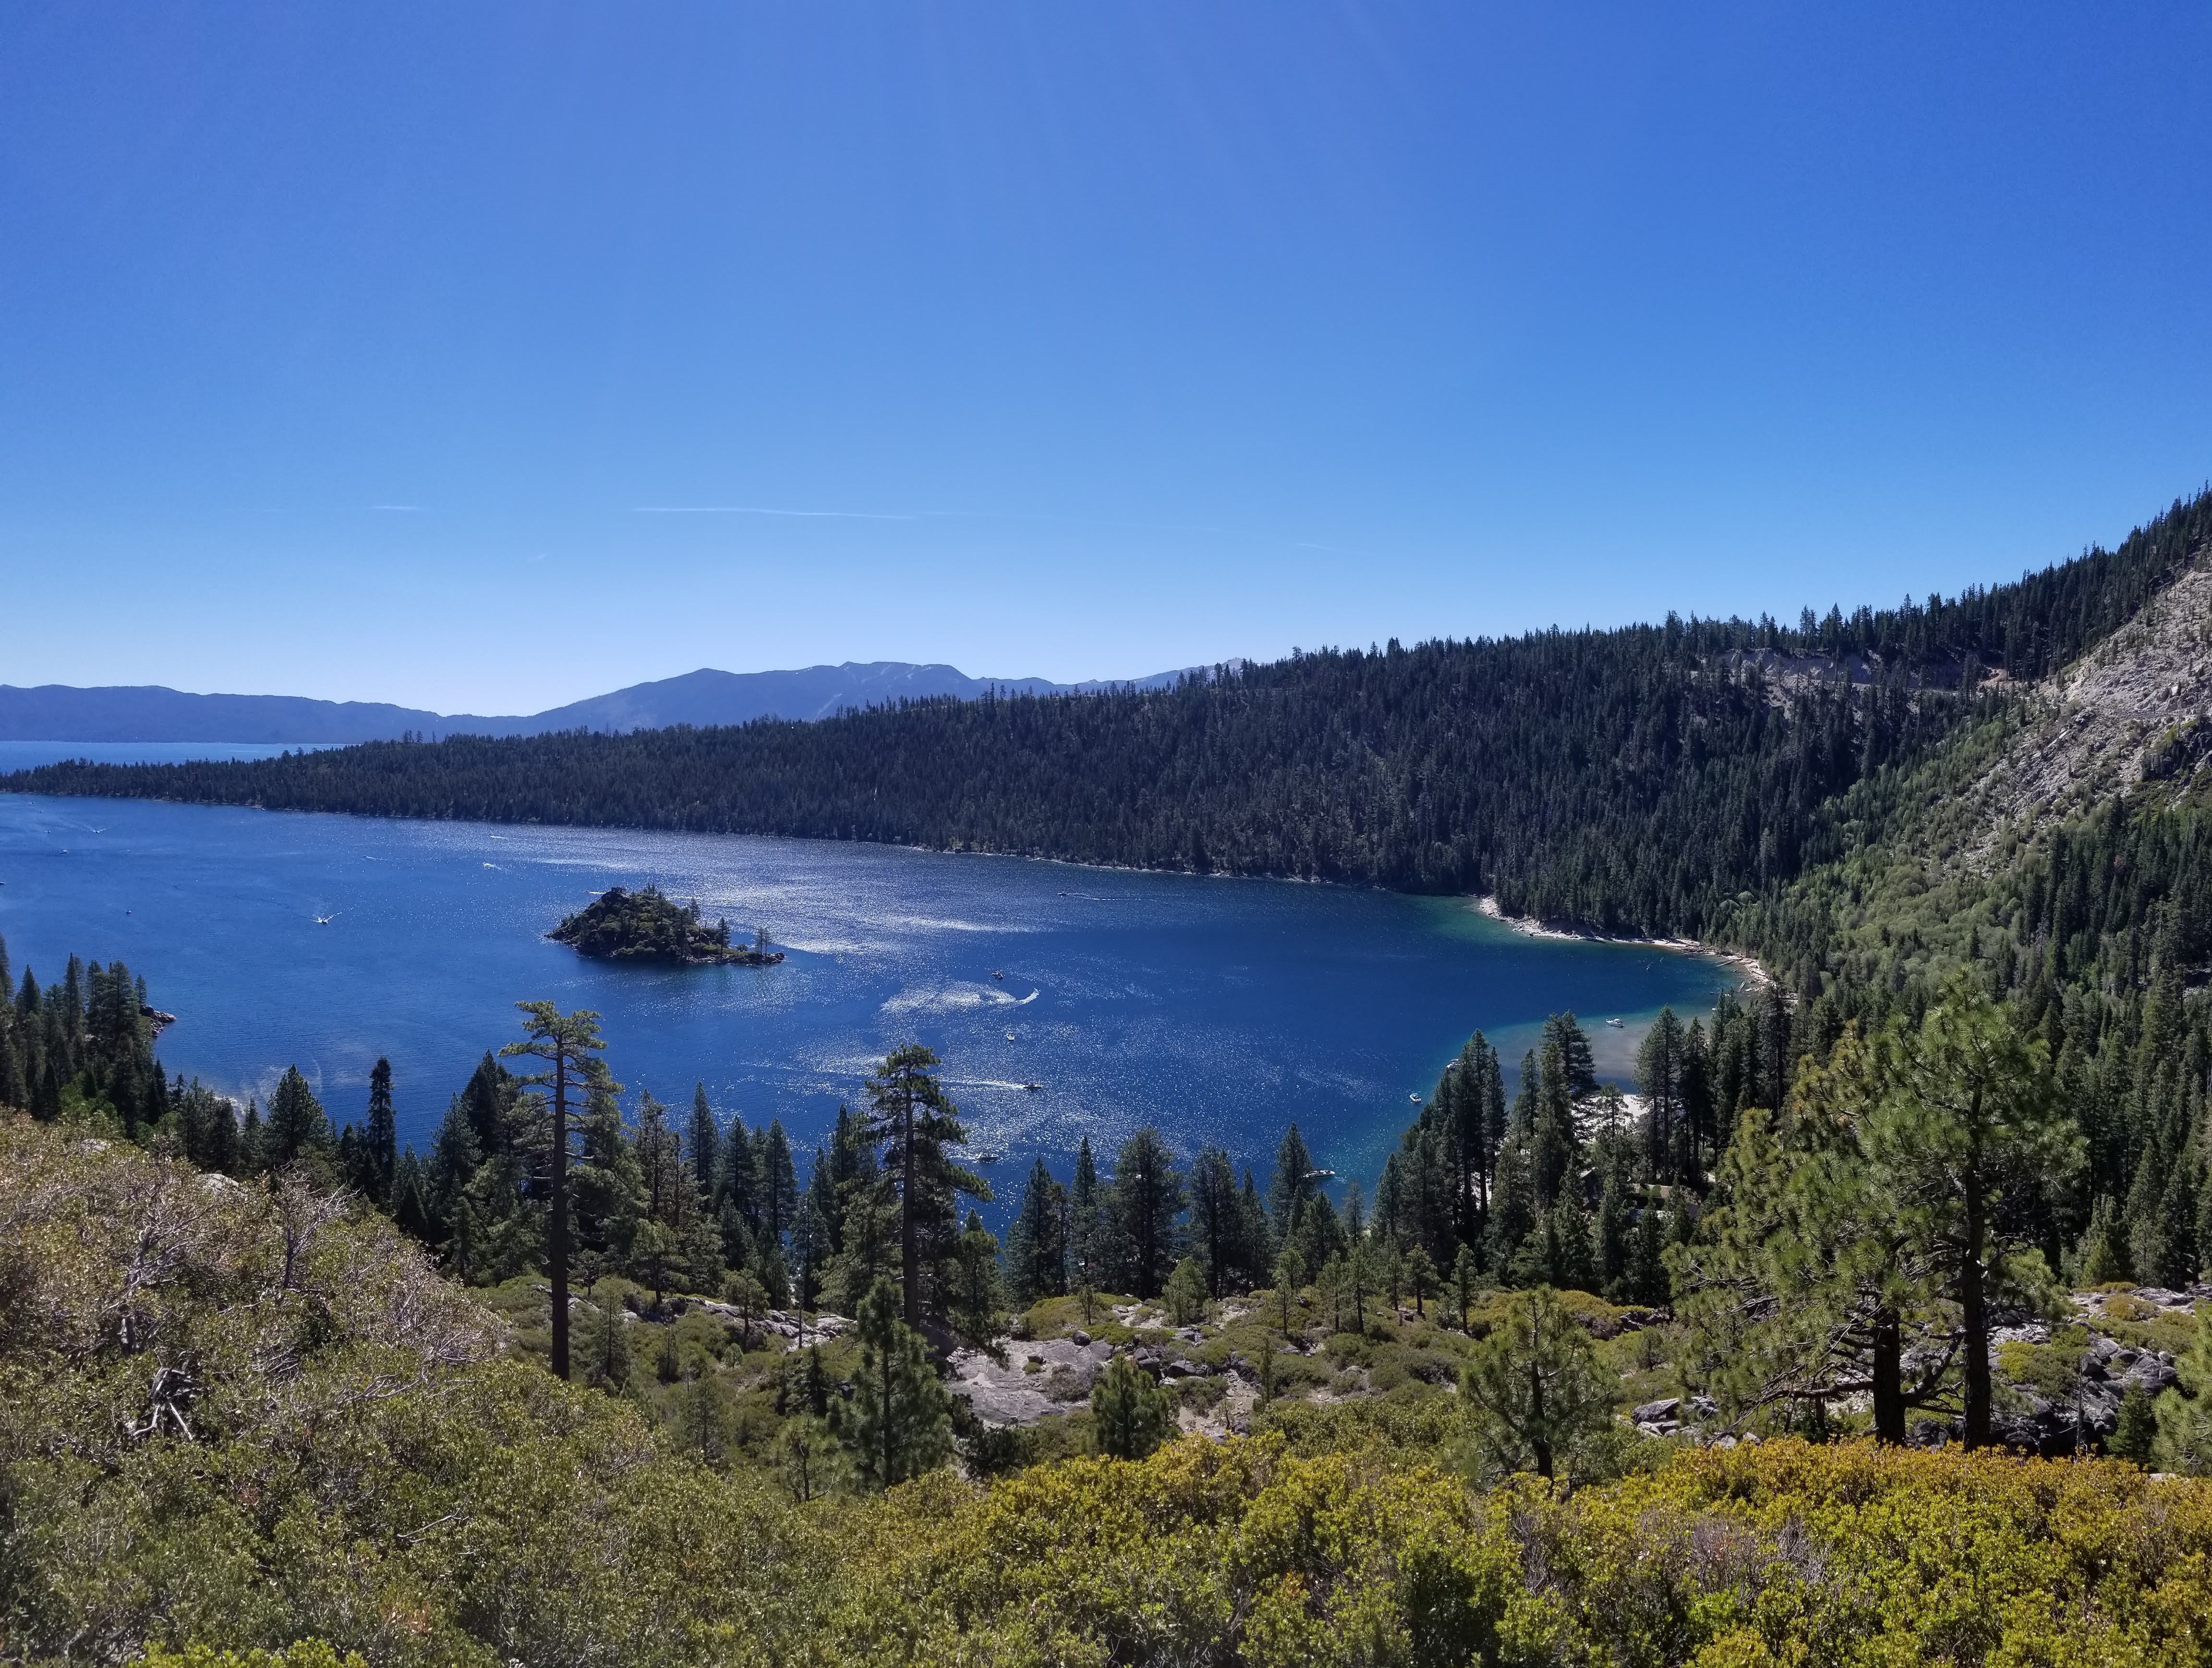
point(58, 712)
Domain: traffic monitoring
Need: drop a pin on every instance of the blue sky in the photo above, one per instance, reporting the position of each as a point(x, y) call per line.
point(485, 357)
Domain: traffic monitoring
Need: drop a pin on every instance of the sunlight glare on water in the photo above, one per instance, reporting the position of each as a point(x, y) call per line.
point(1219, 1010)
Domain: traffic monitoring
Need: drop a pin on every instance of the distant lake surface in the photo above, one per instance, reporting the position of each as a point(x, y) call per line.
point(1219, 1010)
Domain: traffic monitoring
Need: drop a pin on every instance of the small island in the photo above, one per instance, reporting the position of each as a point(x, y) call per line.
point(649, 926)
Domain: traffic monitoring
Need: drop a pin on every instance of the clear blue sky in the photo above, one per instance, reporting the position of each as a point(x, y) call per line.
point(1090, 339)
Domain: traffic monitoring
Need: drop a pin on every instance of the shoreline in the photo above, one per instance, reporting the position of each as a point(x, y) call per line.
point(1755, 976)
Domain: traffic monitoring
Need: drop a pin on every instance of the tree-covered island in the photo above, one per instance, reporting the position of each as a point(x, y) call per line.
point(650, 926)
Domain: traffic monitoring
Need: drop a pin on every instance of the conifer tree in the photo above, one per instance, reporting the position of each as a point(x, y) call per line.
point(1217, 1221)
point(1185, 1294)
point(249, 1137)
point(2135, 1433)
point(975, 1310)
point(1130, 1414)
point(606, 1345)
point(1290, 1281)
point(1968, 1138)
point(410, 1205)
point(914, 1122)
point(381, 1143)
point(297, 1126)
point(852, 1163)
point(1293, 1185)
point(810, 1248)
point(1576, 1070)
point(704, 1149)
point(1465, 1276)
point(736, 1186)
point(1538, 1395)
point(1259, 1242)
point(898, 1423)
point(1513, 1209)
point(1319, 1234)
point(569, 1047)
point(1568, 1227)
point(779, 1184)
point(1146, 1203)
point(1420, 1278)
point(1554, 1148)
point(1694, 1091)
point(1037, 1242)
point(1659, 1075)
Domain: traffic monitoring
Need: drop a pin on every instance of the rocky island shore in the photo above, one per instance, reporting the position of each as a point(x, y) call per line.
point(621, 925)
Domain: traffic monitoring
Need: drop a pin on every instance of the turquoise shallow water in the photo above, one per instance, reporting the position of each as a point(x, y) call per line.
point(1217, 1009)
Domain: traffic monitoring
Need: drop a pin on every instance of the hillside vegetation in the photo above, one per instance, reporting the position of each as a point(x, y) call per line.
point(246, 1415)
point(1581, 1379)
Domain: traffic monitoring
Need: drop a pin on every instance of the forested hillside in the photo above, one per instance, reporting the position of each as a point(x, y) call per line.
point(1941, 1179)
point(1635, 779)
point(248, 1416)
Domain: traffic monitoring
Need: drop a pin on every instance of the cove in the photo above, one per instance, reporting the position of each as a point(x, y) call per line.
point(1220, 1010)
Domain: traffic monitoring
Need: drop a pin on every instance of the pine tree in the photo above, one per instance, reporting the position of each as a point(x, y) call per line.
point(1694, 1088)
point(736, 1184)
point(1420, 1278)
point(914, 1122)
point(1513, 1208)
point(1144, 1204)
point(704, 1149)
point(2105, 1246)
point(249, 1138)
point(1967, 1137)
point(1554, 1149)
point(1086, 1220)
point(1185, 1294)
point(810, 1248)
point(1536, 1389)
point(1466, 1277)
point(1294, 1183)
point(1290, 1281)
point(411, 1204)
point(975, 1310)
point(569, 1046)
point(382, 1141)
point(1615, 1226)
point(1319, 1234)
point(1217, 1221)
point(1574, 1268)
point(1576, 1070)
point(2136, 1431)
point(1258, 1240)
point(606, 1345)
point(1659, 1075)
point(779, 1183)
point(297, 1127)
point(1130, 1414)
point(898, 1423)
point(1037, 1242)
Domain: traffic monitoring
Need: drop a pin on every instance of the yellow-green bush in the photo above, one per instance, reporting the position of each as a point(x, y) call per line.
point(360, 1462)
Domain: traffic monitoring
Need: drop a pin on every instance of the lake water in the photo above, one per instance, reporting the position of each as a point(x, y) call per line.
point(1219, 1010)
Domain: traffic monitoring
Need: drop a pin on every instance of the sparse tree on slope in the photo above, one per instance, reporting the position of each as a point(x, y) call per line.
point(1536, 1389)
point(569, 1046)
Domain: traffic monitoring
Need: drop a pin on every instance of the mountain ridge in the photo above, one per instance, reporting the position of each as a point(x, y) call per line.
point(154, 713)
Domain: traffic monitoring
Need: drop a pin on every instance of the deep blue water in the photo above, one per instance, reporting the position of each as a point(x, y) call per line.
point(1217, 1009)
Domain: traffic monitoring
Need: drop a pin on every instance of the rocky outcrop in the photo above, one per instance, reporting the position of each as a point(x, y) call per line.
point(1031, 1380)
